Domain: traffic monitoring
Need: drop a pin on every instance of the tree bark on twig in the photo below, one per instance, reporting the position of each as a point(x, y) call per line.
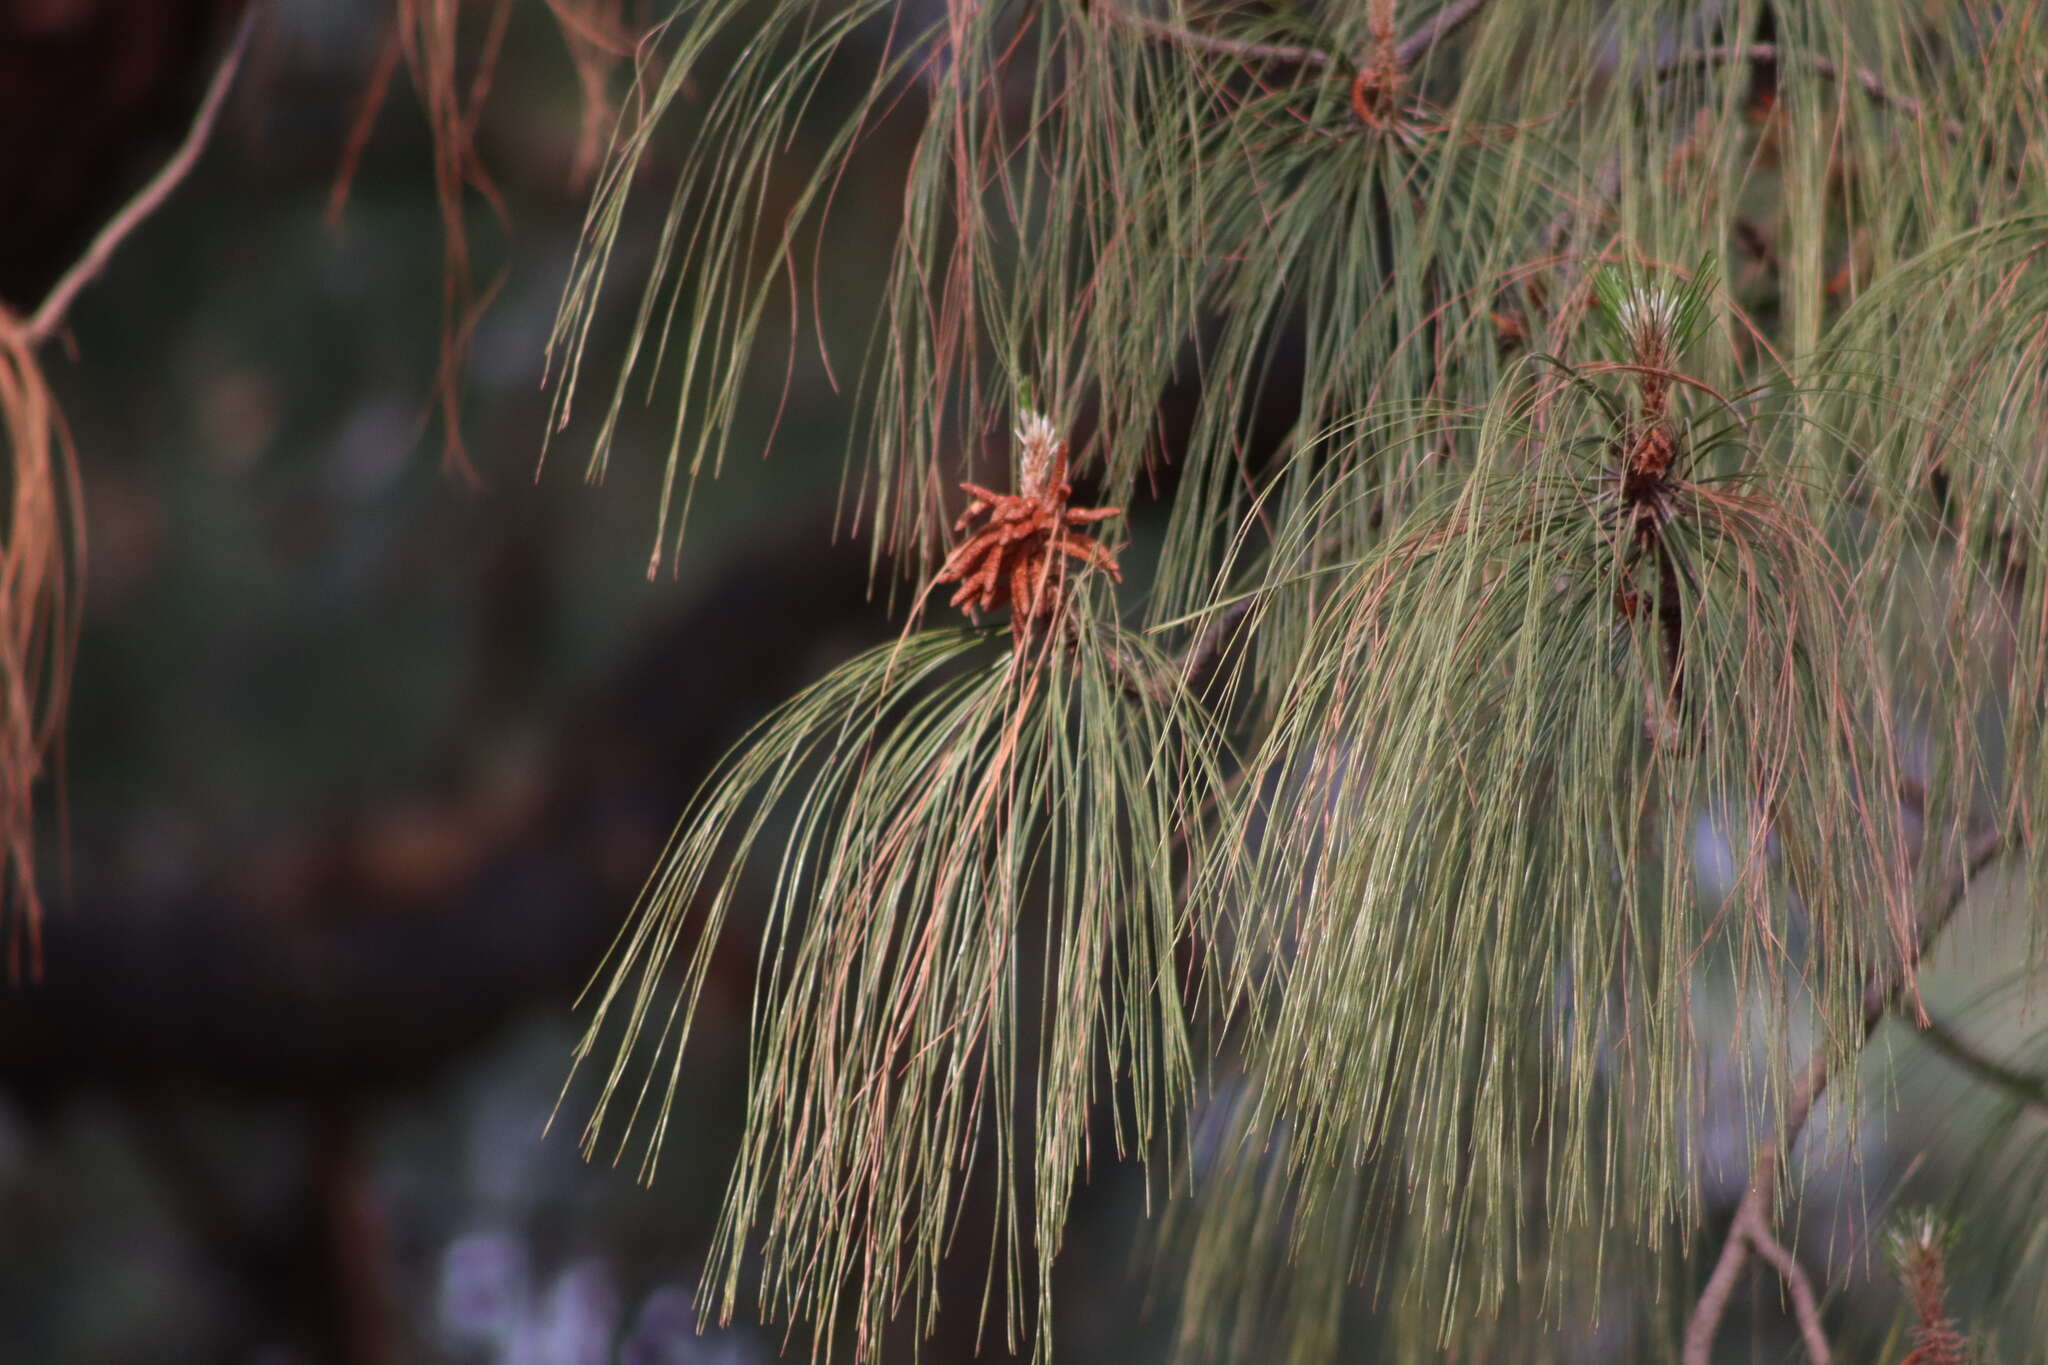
point(1805, 1307)
point(49, 317)
point(1411, 49)
point(1440, 26)
point(1882, 991)
point(1771, 55)
point(1288, 54)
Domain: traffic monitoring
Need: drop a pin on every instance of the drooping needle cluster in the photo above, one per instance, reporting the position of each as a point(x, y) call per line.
point(1015, 559)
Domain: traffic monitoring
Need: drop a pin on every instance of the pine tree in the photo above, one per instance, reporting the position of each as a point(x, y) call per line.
point(1499, 556)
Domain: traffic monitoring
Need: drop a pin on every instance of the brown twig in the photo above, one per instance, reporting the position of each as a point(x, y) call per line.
point(1165, 32)
point(365, 123)
point(50, 316)
point(1768, 54)
point(43, 553)
point(1608, 180)
point(1441, 25)
point(1191, 665)
point(1201, 653)
point(1705, 1323)
point(1882, 990)
point(1606, 185)
point(427, 40)
point(1805, 1307)
point(1194, 662)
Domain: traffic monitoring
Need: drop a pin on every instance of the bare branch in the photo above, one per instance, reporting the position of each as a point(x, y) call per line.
point(1751, 1213)
point(1441, 25)
point(1608, 180)
point(1805, 1308)
point(2023, 1086)
point(365, 123)
point(48, 318)
point(1881, 992)
point(1193, 662)
point(1606, 185)
point(1200, 655)
point(1165, 32)
point(1767, 54)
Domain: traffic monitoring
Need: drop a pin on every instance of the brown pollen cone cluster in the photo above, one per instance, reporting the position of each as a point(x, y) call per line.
point(1376, 92)
point(1936, 1338)
point(1018, 557)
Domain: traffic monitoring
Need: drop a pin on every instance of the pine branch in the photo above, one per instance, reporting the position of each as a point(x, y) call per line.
point(1320, 282)
point(1881, 993)
point(50, 316)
